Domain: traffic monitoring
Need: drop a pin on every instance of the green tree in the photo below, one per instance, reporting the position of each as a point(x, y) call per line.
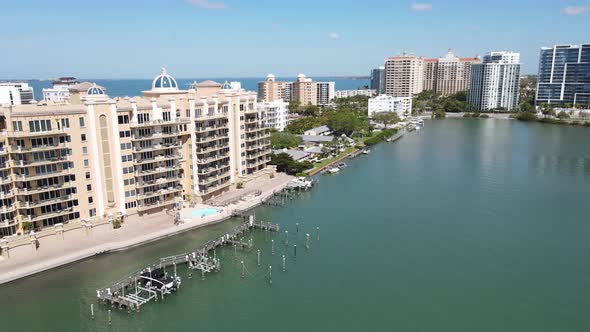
point(310, 110)
point(386, 118)
point(286, 164)
point(347, 123)
point(526, 107)
point(294, 106)
point(282, 140)
point(563, 115)
point(299, 126)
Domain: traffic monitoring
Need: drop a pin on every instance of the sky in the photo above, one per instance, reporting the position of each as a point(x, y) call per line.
point(251, 38)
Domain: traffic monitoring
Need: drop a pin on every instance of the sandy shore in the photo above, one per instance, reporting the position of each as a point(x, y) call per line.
point(135, 231)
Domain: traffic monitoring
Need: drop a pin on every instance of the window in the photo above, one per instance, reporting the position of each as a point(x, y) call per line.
point(130, 193)
point(86, 163)
point(83, 136)
point(166, 116)
point(90, 200)
point(17, 125)
point(65, 123)
point(143, 118)
point(85, 150)
point(88, 187)
point(92, 212)
point(129, 181)
point(130, 205)
point(82, 125)
point(123, 119)
point(39, 125)
point(87, 175)
point(126, 133)
point(127, 158)
point(127, 146)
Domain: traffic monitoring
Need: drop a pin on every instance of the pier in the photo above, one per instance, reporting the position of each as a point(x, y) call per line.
point(160, 278)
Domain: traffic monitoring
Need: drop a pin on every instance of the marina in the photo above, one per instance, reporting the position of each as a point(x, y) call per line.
point(161, 278)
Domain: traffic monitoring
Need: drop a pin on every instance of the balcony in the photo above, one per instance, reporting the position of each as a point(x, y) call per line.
point(256, 147)
point(213, 128)
point(38, 148)
point(159, 123)
point(156, 147)
point(7, 223)
point(51, 132)
point(214, 188)
point(258, 163)
point(152, 136)
point(209, 170)
point(209, 160)
point(210, 149)
point(217, 115)
point(162, 180)
point(6, 194)
point(211, 179)
point(35, 204)
point(257, 137)
point(8, 209)
point(159, 158)
point(24, 178)
point(209, 139)
point(256, 155)
point(157, 170)
point(59, 213)
point(30, 163)
point(160, 192)
point(157, 204)
point(38, 190)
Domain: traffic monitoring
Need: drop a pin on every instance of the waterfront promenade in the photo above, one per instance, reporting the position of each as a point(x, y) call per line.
point(56, 251)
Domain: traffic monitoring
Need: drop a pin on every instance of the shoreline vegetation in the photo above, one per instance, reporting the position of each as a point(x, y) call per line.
point(349, 124)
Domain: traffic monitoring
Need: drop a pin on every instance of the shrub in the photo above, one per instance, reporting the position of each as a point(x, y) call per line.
point(484, 116)
point(240, 185)
point(526, 116)
point(563, 115)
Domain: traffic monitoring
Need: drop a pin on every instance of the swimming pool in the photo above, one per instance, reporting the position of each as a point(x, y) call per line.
point(203, 212)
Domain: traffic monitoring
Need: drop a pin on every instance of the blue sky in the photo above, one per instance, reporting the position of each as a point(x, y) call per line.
point(250, 38)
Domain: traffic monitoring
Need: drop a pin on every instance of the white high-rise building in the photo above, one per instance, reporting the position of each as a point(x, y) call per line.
point(326, 92)
point(277, 114)
point(16, 93)
point(494, 82)
point(384, 103)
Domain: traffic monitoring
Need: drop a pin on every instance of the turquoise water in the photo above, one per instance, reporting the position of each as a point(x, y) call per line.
point(204, 212)
point(466, 225)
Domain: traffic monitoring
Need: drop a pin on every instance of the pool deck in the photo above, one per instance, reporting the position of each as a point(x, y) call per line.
point(54, 251)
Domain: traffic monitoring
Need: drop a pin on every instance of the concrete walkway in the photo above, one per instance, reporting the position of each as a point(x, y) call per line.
point(135, 231)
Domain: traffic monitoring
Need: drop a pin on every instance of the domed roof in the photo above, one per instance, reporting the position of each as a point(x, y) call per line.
point(95, 90)
point(270, 76)
point(164, 81)
point(301, 76)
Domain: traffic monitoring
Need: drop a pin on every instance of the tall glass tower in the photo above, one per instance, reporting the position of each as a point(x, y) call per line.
point(564, 75)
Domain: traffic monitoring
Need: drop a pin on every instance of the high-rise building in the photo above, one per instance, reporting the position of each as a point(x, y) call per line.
point(449, 74)
point(326, 91)
point(272, 90)
point(277, 114)
point(564, 75)
point(305, 91)
point(352, 93)
point(494, 83)
point(9, 95)
point(378, 80)
point(404, 76)
point(97, 156)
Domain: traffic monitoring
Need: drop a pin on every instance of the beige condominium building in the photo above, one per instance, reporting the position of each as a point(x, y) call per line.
point(404, 75)
point(449, 74)
point(98, 157)
point(305, 90)
point(272, 90)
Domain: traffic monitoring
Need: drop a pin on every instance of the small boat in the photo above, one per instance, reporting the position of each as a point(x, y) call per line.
point(334, 170)
point(300, 183)
point(342, 165)
point(389, 140)
point(366, 152)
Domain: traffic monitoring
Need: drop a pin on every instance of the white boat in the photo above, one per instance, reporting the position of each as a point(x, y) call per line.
point(301, 183)
point(366, 151)
point(334, 170)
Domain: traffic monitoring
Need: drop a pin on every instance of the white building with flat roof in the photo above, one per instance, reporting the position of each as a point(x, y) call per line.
point(352, 93)
point(15, 93)
point(384, 103)
point(60, 92)
point(494, 83)
point(277, 114)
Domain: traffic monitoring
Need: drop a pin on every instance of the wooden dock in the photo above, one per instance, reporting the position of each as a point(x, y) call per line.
point(160, 278)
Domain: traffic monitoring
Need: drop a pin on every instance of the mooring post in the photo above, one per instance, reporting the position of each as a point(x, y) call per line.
point(270, 274)
point(92, 310)
point(272, 247)
point(297, 227)
point(284, 264)
point(235, 252)
point(243, 270)
point(110, 318)
point(175, 275)
point(307, 242)
point(295, 250)
point(258, 259)
point(214, 254)
point(286, 238)
point(203, 274)
point(318, 233)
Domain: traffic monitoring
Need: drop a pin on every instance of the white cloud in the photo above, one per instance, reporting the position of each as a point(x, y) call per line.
point(575, 10)
point(208, 5)
point(334, 35)
point(421, 7)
